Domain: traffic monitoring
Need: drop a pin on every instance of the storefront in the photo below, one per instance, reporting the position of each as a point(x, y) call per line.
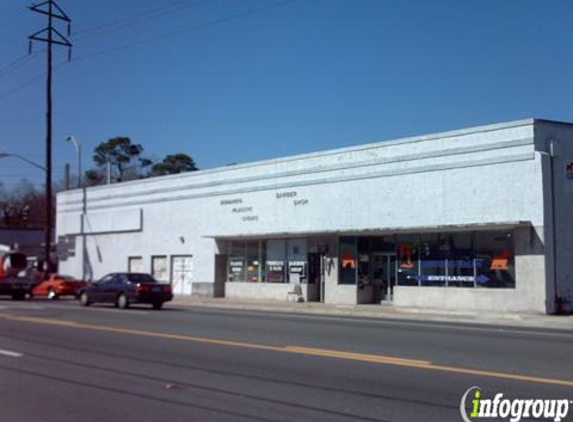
point(473, 219)
point(377, 264)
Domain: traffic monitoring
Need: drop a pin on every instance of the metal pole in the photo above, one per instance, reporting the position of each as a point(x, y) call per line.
point(48, 229)
point(60, 40)
point(79, 150)
point(67, 176)
point(556, 298)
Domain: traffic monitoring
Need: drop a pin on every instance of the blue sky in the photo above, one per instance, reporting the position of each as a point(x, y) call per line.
point(294, 77)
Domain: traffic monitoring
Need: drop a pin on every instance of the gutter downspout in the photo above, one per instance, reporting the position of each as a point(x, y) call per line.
point(551, 155)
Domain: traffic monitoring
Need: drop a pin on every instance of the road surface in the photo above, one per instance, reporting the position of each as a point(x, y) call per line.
point(60, 362)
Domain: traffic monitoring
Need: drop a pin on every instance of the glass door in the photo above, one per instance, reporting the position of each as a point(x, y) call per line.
point(384, 275)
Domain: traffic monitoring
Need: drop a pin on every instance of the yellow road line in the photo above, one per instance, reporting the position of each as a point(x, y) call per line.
point(354, 356)
point(335, 354)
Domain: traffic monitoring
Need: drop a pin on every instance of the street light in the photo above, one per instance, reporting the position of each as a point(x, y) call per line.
point(78, 148)
point(48, 227)
point(4, 154)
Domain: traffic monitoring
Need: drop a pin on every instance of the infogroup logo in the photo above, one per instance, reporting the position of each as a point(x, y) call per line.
point(511, 409)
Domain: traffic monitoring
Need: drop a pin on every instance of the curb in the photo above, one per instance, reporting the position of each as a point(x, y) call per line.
point(404, 314)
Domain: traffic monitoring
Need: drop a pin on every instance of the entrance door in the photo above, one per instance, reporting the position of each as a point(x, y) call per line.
point(384, 276)
point(221, 264)
point(182, 274)
point(314, 277)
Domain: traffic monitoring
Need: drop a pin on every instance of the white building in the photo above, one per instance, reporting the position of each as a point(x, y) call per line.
point(478, 219)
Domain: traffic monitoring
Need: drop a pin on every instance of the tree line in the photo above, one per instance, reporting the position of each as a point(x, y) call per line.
point(23, 205)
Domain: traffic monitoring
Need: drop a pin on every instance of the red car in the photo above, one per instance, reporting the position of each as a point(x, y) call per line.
point(58, 285)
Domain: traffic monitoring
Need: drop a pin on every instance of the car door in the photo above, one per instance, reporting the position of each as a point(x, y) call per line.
point(97, 290)
point(112, 289)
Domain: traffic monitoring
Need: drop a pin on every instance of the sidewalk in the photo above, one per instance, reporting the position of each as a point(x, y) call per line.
point(382, 312)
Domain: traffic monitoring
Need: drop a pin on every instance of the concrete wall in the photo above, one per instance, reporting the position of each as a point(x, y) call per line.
point(559, 203)
point(265, 291)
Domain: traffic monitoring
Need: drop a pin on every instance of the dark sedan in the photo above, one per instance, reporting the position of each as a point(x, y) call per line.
point(123, 289)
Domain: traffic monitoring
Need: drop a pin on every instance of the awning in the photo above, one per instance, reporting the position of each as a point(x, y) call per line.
point(382, 231)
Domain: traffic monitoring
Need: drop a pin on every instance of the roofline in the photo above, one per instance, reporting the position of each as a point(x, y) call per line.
point(360, 147)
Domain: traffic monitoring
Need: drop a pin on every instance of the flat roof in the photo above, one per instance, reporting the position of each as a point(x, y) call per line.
point(353, 148)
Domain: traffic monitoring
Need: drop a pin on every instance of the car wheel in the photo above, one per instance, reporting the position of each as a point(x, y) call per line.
point(18, 296)
point(52, 294)
point(84, 299)
point(122, 301)
point(157, 306)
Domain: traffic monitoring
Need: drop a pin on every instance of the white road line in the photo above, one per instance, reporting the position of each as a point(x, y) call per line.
point(11, 354)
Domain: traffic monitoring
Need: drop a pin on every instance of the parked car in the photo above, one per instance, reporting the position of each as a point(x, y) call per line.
point(58, 285)
point(123, 289)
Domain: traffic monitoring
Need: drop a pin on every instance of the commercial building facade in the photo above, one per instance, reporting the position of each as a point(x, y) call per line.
point(475, 219)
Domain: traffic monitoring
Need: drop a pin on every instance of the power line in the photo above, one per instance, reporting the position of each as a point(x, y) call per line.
point(197, 27)
point(21, 86)
point(138, 19)
point(28, 82)
point(149, 40)
point(17, 64)
point(13, 63)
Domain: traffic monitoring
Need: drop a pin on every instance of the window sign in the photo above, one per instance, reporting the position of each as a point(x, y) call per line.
point(275, 271)
point(348, 260)
point(253, 262)
point(237, 260)
point(297, 255)
point(434, 249)
point(297, 272)
point(460, 260)
point(276, 261)
point(495, 266)
point(408, 260)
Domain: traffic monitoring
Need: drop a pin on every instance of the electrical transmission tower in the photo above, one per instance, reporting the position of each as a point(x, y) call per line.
point(49, 35)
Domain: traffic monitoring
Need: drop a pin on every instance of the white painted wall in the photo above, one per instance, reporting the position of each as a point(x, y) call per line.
point(482, 175)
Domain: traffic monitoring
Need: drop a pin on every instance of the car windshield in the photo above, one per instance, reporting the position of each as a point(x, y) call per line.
point(140, 278)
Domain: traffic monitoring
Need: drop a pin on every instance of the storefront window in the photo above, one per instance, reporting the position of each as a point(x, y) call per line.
point(275, 264)
point(408, 259)
point(297, 253)
point(348, 260)
point(494, 260)
point(461, 260)
point(253, 262)
point(237, 260)
point(364, 250)
point(159, 268)
point(263, 261)
point(434, 250)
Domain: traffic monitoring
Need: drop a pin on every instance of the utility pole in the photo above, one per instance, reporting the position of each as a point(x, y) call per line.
point(51, 36)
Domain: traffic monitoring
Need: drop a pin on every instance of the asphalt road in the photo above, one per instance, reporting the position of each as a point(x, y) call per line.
point(60, 362)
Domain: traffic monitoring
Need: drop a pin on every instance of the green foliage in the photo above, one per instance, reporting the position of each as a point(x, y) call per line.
point(127, 163)
point(120, 153)
point(174, 164)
